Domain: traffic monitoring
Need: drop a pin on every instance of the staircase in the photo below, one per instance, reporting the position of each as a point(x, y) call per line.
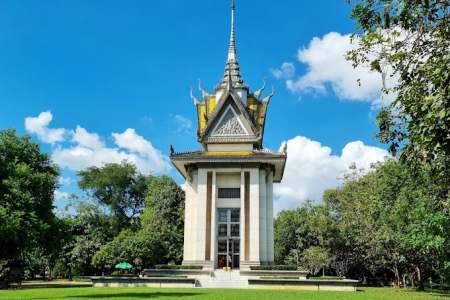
point(222, 279)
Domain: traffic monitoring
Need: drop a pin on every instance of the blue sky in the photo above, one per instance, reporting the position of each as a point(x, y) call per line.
point(109, 66)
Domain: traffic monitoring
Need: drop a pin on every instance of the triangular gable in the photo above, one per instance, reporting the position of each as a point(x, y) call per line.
point(229, 98)
point(229, 124)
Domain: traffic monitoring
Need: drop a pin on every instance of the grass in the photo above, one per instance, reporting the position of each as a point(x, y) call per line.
point(89, 293)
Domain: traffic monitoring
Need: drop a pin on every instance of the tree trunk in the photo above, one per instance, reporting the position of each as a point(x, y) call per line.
point(397, 277)
point(419, 278)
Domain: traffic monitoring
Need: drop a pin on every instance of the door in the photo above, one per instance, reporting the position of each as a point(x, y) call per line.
point(228, 237)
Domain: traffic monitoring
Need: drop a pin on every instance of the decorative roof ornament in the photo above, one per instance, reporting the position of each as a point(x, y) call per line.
point(267, 99)
point(194, 99)
point(232, 69)
point(259, 92)
point(203, 91)
point(285, 147)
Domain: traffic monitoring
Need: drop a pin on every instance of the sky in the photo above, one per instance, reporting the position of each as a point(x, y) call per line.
point(96, 81)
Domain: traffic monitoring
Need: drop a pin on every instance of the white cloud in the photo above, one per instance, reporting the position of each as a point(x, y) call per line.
point(58, 195)
point(311, 168)
point(64, 181)
point(39, 126)
point(286, 71)
point(85, 149)
point(327, 67)
point(86, 139)
point(183, 123)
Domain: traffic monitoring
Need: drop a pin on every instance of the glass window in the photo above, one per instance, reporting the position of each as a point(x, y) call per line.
point(234, 229)
point(235, 215)
point(222, 247)
point(223, 215)
point(229, 193)
point(222, 229)
point(236, 246)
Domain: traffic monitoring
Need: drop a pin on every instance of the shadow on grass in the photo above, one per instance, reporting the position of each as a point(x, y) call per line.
point(137, 295)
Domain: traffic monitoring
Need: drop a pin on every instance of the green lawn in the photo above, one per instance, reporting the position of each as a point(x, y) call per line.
point(89, 293)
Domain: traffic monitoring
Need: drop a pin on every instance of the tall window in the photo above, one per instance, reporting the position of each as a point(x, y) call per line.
point(228, 241)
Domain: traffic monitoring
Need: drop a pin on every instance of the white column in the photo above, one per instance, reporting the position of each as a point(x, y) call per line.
point(254, 215)
point(213, 220)
point(242, 226)
point(269, 196)
point(190, 218)
point(200, 216)
point(262, 216)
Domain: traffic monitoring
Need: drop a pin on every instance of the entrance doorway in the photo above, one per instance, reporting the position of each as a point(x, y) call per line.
point(228, 237)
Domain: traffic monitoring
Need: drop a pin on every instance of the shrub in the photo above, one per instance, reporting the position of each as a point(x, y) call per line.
point(177, 267)
point(274, 267)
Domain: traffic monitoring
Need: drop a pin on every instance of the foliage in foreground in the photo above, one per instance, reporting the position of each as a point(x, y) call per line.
point(385, 225)
point(27, 224)
point(409, 41)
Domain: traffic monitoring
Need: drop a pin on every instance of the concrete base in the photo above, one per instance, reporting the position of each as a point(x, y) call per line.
point(157, 282)
point(222, 279)
point(304, 285)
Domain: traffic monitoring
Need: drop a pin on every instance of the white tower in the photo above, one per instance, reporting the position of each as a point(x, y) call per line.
point(229, 184)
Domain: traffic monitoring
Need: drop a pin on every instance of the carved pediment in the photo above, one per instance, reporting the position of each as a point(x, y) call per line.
point(229, 125)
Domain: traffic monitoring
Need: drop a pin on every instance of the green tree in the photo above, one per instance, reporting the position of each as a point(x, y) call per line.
point(28, 180)
point(299, 229)
point(410, 40)
point(90, 229)
point(141, 249)
point(391, 220)
point(314, 259)
point(164, 213)
point(118, 186)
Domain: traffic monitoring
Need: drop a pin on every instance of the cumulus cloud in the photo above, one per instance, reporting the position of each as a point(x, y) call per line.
point(39, 126)
point(327, 68)
point(86, 149)
point(286, 71)
point(311, 168)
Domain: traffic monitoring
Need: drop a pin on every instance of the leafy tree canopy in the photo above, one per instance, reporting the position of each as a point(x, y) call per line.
point(118, 186)
point(28, 180)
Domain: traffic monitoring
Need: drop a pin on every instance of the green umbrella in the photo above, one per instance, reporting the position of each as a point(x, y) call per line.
point(124, 266)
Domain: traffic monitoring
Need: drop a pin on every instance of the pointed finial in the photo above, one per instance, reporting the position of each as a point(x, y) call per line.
point(232, 47)
point(285, 147)
point(267, 99)
point(172, 150)
point(204, 93)
point(259, 92)
point(232, 63)
point(194, 99)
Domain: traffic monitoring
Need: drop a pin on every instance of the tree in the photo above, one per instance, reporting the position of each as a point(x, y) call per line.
point(300, 229)
point(410, 40)
point(120, 187)
point(164, 213)
point(28, 180)
point(314, 259)
point(90, 229)
point(391, 220)
point(141, 249)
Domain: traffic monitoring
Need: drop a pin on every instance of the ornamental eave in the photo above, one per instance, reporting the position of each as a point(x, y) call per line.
point(184, 162)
